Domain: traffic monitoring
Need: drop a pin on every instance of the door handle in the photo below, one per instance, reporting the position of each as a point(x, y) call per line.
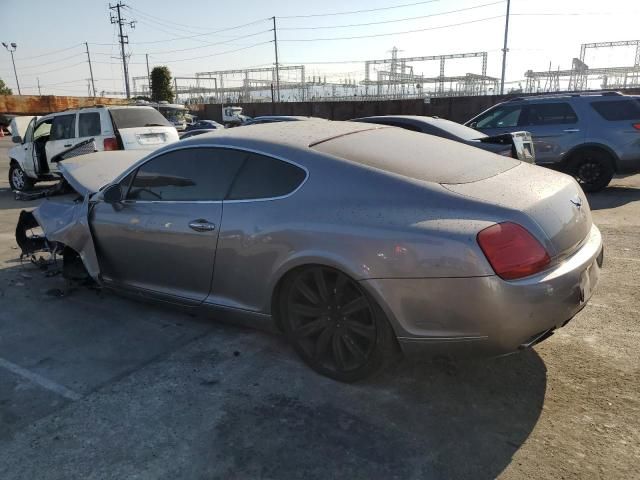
point(571, 130)
point(67, 145)
point(201, 225)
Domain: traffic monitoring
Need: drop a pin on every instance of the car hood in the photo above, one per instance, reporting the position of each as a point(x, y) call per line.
point(88, 174)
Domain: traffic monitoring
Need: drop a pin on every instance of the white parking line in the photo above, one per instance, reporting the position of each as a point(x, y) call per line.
point(39, 380)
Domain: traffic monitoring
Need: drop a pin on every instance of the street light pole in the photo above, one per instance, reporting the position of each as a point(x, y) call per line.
point(12, 48)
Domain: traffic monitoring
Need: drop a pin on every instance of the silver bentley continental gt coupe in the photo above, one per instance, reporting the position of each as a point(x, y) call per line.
point(356, 240)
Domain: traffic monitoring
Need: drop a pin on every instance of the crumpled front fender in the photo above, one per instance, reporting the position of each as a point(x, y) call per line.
point(65, 222)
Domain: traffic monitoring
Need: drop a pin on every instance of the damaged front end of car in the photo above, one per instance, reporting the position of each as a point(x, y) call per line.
point(59, 227)
point(60, 224)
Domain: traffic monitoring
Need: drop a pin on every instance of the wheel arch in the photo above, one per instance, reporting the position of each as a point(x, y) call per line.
point(292, 267)
point(570, 155)
point(298, 263)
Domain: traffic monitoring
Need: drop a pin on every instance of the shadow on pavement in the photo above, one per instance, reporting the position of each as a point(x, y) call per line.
point(612, 197)
point(239, 404)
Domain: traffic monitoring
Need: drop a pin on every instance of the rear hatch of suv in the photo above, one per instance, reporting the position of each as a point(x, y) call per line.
point(142, 128)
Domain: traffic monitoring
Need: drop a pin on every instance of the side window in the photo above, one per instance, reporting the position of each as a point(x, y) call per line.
point(500, 117)
point(64, 126)
point(89, 124)
point(189, 174)
point(265, 177)
point(617, 110)
point(550, 114)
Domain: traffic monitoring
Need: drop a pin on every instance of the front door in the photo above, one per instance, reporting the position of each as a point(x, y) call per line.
point(162, 238)
point(63, 136)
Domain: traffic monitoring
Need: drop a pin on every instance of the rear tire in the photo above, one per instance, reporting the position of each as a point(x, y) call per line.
point(593, 169)
point(334, 325)
point(18, 179)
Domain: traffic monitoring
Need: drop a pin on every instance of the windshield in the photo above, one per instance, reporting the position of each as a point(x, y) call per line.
point(135, 117)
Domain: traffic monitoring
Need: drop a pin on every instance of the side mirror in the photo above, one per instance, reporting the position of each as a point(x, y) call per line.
point(17, 139)
point(473, 124)
point(112, 194)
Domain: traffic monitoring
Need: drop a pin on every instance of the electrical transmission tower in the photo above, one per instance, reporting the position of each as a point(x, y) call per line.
point(124, 39)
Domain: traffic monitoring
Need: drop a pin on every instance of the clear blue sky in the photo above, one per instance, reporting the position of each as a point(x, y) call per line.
point(551, 32)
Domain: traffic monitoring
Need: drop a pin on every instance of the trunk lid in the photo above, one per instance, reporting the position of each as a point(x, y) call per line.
point(554, 201)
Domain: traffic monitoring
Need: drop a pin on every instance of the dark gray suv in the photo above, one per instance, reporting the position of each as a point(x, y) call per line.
point(590, 135)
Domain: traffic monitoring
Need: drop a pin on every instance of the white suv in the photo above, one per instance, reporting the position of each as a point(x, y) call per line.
point(99, 127)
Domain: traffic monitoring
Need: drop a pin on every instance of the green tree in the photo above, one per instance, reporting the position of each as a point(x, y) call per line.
point(161, 84)
point(4, 90)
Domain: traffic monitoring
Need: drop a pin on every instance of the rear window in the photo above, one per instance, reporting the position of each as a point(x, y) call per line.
point(616, 110)
point(457, 130)
point(135, 117)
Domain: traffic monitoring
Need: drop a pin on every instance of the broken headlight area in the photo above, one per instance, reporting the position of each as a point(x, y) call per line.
point(31, 239)
point(43, 253)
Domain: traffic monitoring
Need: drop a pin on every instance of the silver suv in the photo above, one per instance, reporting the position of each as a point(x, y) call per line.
point(590, 135)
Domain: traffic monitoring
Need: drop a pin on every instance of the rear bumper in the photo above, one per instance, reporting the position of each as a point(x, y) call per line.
point(488, 315)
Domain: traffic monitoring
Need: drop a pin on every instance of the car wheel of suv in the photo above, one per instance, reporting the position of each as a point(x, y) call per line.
point(18, 180)
point(593, 169)
point(334, 325)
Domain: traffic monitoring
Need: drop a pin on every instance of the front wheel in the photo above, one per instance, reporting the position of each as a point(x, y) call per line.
point(592, 169)
point(334, 325)
point(18, 179)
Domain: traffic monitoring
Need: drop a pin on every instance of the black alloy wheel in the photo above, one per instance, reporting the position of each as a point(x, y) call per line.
point(592, 170)
point(333, 324)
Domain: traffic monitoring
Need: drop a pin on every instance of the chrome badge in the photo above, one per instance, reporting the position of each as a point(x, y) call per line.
point(577, 201)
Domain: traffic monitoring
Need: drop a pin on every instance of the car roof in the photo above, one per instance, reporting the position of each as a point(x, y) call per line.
point(294, 134)
point(282, 117)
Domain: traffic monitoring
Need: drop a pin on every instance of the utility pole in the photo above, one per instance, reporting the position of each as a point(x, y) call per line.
point(275, 43)
point(505, 49)
point(38, 80)
point(124, 40)
point(90, 70)
point(11, 47)
point(148, 75)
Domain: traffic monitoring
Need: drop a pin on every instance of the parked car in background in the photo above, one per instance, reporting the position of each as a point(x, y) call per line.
point(354, 239)
point(516, 144)
point(194, 133)
point(277, 118)
point(204, 125)
point(588, 135)
point(111, 128)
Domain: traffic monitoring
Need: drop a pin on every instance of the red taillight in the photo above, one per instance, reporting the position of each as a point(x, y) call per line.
point(636, 126)
point(110, 143)
point(512, 251)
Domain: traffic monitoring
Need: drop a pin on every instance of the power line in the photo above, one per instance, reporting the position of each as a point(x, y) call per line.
point(395, 21)
point(168, 22)
point(219, 53)
point(205, 34)
point(52, 52)
point(155, 52)
point(391, 33)
point(360, 11)
point(49, 63)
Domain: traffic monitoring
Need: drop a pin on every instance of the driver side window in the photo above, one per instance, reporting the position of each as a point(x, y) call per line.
point(187, 175)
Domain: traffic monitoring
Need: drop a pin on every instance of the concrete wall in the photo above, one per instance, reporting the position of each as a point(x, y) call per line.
point(41, 105)
point(458, 109)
